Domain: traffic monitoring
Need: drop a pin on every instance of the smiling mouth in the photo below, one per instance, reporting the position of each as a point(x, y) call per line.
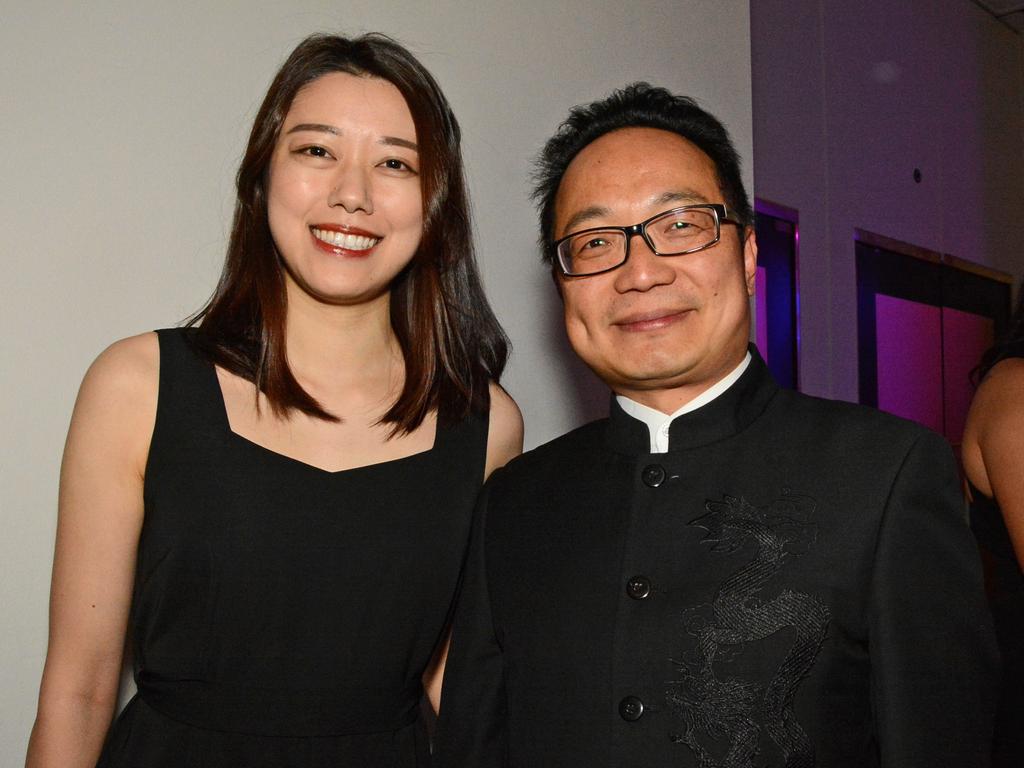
point(344, 240)
point(651, 321)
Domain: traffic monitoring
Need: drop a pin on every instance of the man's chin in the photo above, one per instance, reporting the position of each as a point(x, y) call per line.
point(650, 378)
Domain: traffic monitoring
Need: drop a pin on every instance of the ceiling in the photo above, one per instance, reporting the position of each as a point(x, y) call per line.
point(1011, 12)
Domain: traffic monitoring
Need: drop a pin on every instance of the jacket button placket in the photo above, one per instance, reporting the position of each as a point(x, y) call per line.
point(639, 588)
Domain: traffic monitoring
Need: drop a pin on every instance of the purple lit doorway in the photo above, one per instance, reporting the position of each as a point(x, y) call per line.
point(924, 318)
point(777, 298)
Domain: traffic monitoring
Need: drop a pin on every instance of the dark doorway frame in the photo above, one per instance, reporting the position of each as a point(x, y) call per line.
point(778, 229)
point(894, 268)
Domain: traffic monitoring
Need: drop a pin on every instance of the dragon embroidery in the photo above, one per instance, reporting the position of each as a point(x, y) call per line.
point(716, 708)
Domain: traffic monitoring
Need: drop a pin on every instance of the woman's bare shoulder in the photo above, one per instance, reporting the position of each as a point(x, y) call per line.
point(128, 360)
point(1006, 377)
point(1001, 392)
point(995, 423)
point(120, 388)
point(505, 433)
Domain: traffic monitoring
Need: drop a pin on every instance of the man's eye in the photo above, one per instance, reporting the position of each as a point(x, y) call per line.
point(680, 225)
point(591, 247)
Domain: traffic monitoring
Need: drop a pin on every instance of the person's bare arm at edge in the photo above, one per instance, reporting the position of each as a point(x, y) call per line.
point(100, 513)
point(504, 443)
point(993, 447)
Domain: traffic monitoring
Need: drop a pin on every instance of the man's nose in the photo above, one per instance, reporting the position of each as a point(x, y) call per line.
point(644, 269)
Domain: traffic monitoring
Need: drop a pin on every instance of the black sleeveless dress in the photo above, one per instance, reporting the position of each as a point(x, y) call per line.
point(1004, 581)
point(283, 615)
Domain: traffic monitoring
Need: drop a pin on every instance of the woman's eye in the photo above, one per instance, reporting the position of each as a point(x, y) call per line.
point(394, 164)
point(314, 151)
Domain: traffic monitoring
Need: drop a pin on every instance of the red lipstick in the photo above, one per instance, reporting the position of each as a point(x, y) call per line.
point(344, 241)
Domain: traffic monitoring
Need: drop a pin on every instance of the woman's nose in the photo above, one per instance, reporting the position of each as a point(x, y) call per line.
point(351, 191)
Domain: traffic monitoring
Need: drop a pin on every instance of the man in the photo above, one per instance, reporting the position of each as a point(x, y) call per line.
point(722, 573)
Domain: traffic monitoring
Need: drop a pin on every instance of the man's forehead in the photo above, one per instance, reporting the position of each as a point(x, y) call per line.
point(637, 168)
point(634, 141)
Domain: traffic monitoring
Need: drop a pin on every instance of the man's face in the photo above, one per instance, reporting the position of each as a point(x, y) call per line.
point(657, 325)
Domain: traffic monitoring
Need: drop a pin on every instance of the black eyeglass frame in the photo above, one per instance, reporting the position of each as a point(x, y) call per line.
point(721, 216)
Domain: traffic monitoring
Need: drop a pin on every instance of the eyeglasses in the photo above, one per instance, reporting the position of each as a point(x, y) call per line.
point(683, 230)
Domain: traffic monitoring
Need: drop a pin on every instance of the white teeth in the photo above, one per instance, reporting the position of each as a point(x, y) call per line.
point(347, 241)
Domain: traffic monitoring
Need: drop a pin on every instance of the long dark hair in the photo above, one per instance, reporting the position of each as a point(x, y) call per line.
point(451, 342)
point(1009, 344)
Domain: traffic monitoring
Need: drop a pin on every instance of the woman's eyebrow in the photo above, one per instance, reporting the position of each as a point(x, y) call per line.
point(390, 141)
point(319, 127)
point(394, 141)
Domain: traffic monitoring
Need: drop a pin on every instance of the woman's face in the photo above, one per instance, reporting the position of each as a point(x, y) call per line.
point(344, 199)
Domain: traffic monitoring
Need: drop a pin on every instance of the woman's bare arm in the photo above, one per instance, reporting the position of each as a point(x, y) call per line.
point(99, 519)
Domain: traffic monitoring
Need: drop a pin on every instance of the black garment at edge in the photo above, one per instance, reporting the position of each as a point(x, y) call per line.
point(792, 584)
point(283, 614)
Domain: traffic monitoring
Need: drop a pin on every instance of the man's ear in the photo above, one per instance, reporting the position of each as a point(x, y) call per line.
point(750, 260)
point(556, 278)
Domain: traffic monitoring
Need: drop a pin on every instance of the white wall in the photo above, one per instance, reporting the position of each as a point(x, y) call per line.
point(123, 123)
point(850, 98)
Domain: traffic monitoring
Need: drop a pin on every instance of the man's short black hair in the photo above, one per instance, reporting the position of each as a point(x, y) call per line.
point(638, 105)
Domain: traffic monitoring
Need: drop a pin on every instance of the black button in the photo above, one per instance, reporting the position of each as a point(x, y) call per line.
point(631, 709)
point(653, 475)
point(638, 587)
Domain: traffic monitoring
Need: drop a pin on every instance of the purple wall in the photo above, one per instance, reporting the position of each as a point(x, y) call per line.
point(848, 99)
point(925, 355)
point(910, 360)
point(964, 337)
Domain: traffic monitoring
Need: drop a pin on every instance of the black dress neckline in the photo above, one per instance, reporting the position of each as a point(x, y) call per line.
point(252, 445)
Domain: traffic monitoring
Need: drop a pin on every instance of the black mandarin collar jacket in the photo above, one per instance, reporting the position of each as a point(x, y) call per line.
point(792, 584)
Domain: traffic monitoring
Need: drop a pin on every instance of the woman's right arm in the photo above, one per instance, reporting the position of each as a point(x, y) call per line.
point(100, 512)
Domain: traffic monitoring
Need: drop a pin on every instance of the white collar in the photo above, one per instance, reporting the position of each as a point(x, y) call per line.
point(658, 422)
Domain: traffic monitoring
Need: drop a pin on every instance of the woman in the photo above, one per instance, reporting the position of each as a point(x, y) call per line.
point(993, 457)
point(277, 498)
